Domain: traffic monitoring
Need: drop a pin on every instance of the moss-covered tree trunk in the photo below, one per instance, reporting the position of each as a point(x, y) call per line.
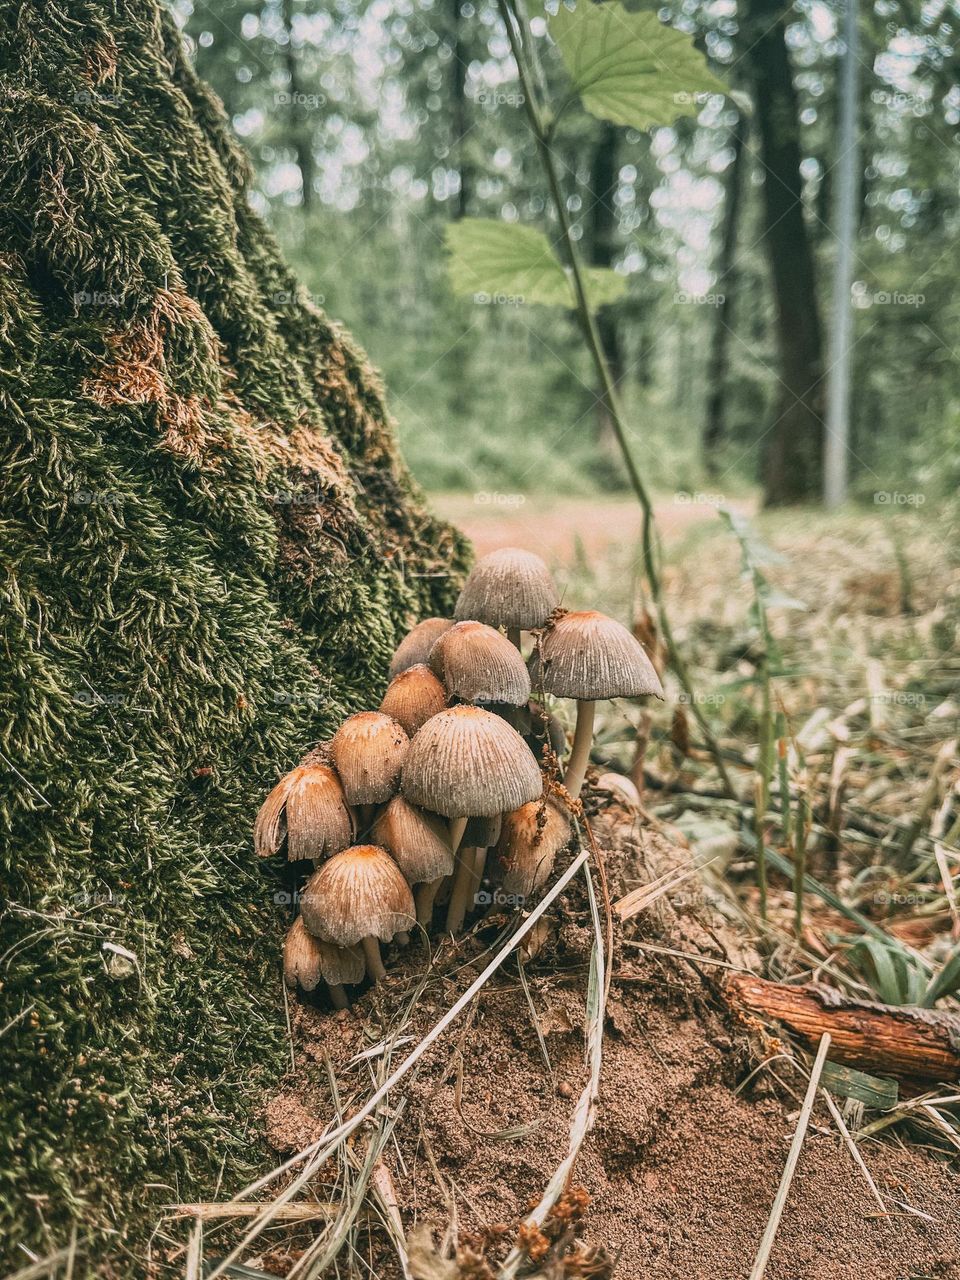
point(209, 549)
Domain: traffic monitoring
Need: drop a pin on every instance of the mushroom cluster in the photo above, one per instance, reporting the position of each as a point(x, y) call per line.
point(399, 811)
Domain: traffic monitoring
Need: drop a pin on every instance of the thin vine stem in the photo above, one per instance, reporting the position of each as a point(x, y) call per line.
point(541, 127)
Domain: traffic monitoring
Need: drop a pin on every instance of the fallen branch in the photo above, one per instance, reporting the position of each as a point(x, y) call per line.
point(920, 1044)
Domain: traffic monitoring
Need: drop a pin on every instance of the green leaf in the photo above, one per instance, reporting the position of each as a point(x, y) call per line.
point(628, 67)
point(944, 983)
point(502, 262)
point(873, 1091)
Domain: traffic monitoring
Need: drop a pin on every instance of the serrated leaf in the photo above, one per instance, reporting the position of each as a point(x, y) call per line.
point(494, 261)
point(628, 67)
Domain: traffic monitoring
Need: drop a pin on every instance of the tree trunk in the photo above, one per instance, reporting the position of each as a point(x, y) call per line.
point(459, 121)
point(792, 466)
point(300, 131)
point(715, 425)
point(210, 548)
point(602, 249)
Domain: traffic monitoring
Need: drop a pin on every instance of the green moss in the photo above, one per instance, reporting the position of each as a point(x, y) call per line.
point(210, 549)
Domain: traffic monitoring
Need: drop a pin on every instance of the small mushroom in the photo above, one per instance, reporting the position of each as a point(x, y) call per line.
point(478, 664)
point(413, 696)
point(368, 750)
point(530, 839)
point(359, 895)
point(419, 845)
point(306, 960)
point(509, 588)
point(590, 657)
point(416, 644)
point(308, 808)
point(467, 762)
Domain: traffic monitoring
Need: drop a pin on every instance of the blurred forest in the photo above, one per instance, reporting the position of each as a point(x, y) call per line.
point(372, 124)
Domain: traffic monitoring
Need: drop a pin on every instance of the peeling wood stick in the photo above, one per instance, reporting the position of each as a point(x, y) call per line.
point(921, 1044)
point(776, 1212)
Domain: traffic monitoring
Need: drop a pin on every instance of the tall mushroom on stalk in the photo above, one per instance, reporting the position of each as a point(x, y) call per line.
point(530, 839)
point(509, 588)
point(467, 762)
point(308, 808)
point(418, 843)
point(478, 664)
point(359, 895)
point(306, 960)
point(368, 750)
point(416, 644)
point(413, 696)
point(590, 657)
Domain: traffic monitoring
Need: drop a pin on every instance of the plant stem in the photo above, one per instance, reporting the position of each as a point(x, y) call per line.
point(759, 813)
point(462, 881)
point(371, 950)
point(784, 781)
point(800, 862)
point(512, 14)
point(580, 751)
point(425, 897)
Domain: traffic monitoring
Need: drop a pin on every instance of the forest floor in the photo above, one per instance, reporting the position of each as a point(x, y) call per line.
point(697, 1103)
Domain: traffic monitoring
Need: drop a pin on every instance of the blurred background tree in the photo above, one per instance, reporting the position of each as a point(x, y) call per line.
point(374, 123)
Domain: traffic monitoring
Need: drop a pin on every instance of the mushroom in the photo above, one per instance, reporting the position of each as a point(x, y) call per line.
point(413, 696)
point(306, 960)
point(358, 895)
point(418, 843)
point(368, 750)
point(478, 664)
point(309, 809)
point(589, 656)
point(530, 839)
point(508, 588)
point(467, 762)
point(480, 834)
point(416, 644)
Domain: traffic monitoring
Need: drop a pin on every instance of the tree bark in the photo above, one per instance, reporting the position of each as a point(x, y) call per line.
point(602, 248)
point(459, 121)
point(792, 462)
point(715, 424)
point(921, 1044)
point(300, 132)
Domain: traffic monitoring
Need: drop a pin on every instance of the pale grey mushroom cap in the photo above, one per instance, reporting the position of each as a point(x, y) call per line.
point(467, 762)
point(416, 840)
point(590, 657)
point(416, 644)
point(306, 960)
point(359, 893)
point(479, 664)
point(508, 588)
point(413, 696)
point(368, 750)
point(308, 808)
point(530, 839)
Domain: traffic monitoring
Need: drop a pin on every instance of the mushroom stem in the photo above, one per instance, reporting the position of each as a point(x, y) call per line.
point(402, 939)
point(580, 751)
point(365, 816)
point(513, 635)
point(338, 996)
point(425, 897)
point(456, 829)
point(462, 882)
point(371, 950)
point(476, 874)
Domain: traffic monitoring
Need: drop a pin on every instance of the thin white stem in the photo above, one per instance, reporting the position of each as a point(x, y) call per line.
point(371, 950)
point(425, 895)
point(459, 899)
point(580, 751)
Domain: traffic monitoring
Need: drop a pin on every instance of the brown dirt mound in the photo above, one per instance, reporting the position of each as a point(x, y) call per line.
point(681, 1168)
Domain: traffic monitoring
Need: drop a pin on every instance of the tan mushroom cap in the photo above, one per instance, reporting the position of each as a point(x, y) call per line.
point(589, 656)
point(368, 750)
point(306, 960)
point(508, 588)
point(413, 696)
point(308, 808)
point(416, 840)
point(479, 664)
point(530, 840)
point(416, 644)
point(467, 762)
point(359, 893)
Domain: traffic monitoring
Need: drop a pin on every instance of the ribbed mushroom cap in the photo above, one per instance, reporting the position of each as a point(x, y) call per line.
point(413, 697)
point(306, 960)
point(479, 664)
point(368, 750)
point(416, 644)
point(467, 762)
point(530, 840)
point(508, 588)
point(481, 833)
point(589, 656)
point(416, 840)
point(359, 893)
point(309, 809)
